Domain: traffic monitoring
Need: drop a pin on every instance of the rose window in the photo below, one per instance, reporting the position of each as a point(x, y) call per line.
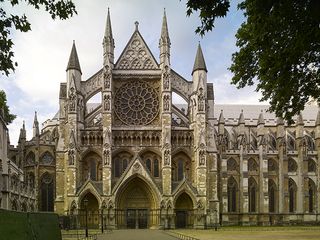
point(136, 103)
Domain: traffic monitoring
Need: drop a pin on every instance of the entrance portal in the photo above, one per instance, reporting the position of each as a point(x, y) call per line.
point(136, 206)
point(184, 211)
point(89, 210)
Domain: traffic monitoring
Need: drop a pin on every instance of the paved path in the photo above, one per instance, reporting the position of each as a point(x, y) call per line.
point(137, 234)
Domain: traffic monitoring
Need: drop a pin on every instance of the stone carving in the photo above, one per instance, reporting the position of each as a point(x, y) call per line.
point(201, 100)
point(136, 103)
point(202, 155)
point(166, 102)
point(136, 167)
point(167, 156)
point(107, 77)
point(136, 56)
point(71, 156)
point(107, 102)
point(166, 78)
point(106, 155)
point(72, 100)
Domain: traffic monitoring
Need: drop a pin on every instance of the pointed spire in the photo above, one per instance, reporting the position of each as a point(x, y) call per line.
point(261, 118)
point(22, 135)
point(300, 119)
point(199, 63)
point(35, 125)
point(108, 43)
point(164, 29)
point(221, 118)
point(108, 30)
point(318, 118)
point(241, 118)
point(73, 59)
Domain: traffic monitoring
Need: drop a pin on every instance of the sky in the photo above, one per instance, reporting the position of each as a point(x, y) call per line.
point(42, 54)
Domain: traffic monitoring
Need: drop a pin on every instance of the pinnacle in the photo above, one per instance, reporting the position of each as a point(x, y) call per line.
point(241, 118)
point(108, 30)
point(199, 63)
point(164, 29)
point(221, 117)
point(300, 119)
point(261, 118)
point(73, 59)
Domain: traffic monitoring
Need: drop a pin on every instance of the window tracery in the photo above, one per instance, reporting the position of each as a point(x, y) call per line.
point(136, 103)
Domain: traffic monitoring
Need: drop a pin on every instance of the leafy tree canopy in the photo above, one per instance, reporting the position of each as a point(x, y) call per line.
point(4, 109)
point(279, 49)
point(61, 9)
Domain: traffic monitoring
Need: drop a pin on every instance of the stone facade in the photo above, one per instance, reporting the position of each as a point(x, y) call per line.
point(16, 191)
point(143, 161)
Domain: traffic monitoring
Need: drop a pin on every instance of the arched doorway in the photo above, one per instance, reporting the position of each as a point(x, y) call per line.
point(184, 211)
point(90, 208)
point(136, 205)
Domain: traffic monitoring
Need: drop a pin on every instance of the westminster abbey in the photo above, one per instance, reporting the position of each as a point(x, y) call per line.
point(134, 159)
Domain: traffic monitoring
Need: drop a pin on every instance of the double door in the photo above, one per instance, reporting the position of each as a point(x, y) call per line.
point(137, 218)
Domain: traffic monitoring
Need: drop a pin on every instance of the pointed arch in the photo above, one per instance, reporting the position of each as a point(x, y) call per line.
point(253, 196)
point(272, 195)
point(233, 195)
point(292, 165)
point(181, 166)
point(311, 195)
point(232, 165)
point(292, 188)
point(47, 192)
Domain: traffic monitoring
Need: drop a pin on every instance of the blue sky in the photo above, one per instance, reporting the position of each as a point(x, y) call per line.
point(42, 54)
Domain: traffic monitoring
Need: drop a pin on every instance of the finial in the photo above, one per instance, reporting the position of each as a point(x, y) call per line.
point(137, 25)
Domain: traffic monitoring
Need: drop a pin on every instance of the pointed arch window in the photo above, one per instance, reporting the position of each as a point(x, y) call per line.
point(292, 165)
point(232, 195)
point(272, 196)
point(93, 170)
point(292, 195)
point(232, 165)
point(311, 195)
point(311, 165)
point(46, 191)
point(252, 165)
point(156, 168)
point(148, 164)
point(180, 169)
point(252, 190)
point(47, 158)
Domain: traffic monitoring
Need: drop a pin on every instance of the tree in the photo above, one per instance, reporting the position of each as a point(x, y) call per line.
point(61, 9)
point(279, 49)
point(4, 109)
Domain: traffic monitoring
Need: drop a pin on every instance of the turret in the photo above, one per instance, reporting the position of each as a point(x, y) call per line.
point(35, 127)
point(199, 72)
point(73, 67)
point(164, 43)
point(108, 43)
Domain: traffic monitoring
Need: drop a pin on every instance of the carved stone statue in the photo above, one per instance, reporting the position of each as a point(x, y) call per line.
point(166, 102)
point(107, 77)
point(201, 100)
point(107, 103)
point(166, 78)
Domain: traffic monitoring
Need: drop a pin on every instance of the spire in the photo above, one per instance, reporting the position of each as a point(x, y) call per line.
point(35, 125)
point(261, 118)
point(108, 43)
point(300, 119)
point(73, 59)
point(241, 118)
point(199, 63)
point(164, 42)
point(22, 133)
point(221, 118)
point(164, 29)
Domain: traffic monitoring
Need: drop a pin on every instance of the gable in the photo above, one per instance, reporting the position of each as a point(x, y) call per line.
point(136, 55)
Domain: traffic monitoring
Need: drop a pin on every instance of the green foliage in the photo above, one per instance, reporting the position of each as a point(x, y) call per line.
point(280, 50)
point(209, 11)
point(5, 111)
point(61, 9)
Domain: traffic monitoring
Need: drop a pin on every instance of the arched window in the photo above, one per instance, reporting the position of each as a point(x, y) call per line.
point(291, 144)
point(232, 165)
point(252, 190)
point(93, 169)
point(272, 165)
point(311, 195)
point(311, 165)
point(117, 168)
point(292, 195)
point(272, 141)
point(156, 168)
point(46, 158)
point(252, 165)
point(47, 195)
point(120, 163)
point(272, 196)
point(292, 165)
point(180, 169)
point(148, 164)
point(232, 195)
point(30, 159)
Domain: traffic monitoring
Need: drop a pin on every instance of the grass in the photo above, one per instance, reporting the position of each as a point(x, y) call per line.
point(255, 233)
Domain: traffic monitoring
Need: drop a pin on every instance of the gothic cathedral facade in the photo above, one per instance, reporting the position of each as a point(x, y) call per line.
point(143, 162)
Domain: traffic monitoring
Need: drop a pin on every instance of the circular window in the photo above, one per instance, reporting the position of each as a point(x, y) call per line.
point(136, 103)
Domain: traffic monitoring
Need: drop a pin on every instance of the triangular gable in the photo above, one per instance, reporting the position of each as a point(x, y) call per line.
point(184, 186)
point(136, 168)
point(136, 55)
point(89, 186)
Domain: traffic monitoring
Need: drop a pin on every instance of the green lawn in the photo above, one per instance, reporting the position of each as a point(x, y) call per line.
point(255, 233)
